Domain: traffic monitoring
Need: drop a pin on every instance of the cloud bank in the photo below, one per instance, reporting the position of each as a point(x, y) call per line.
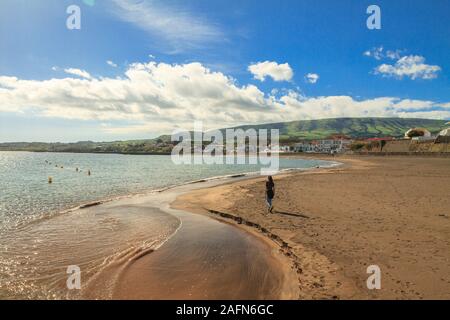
point(159, 97)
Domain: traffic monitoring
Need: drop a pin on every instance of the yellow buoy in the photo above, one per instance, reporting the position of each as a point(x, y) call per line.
point(50, 180)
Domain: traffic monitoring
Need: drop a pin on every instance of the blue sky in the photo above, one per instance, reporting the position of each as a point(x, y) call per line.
point(221, 62)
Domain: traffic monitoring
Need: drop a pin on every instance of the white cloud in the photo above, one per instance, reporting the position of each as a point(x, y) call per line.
point(278, 72)
point(376, 53)
point(410, 66)
point(413, 67)
point(78, 72)
point(179, 27)
point(112, 64)
point(157, 97)
point(312, 77)
point(393, 54)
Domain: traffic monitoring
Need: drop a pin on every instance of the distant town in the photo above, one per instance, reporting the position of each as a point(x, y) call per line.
point(414, 140)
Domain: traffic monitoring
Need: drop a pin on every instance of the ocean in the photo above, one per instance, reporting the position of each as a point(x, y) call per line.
point(42, 232)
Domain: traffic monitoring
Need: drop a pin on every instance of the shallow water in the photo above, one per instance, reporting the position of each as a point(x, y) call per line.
point(26, 195)
point(38, 240)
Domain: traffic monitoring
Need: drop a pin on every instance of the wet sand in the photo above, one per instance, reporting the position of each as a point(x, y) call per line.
point(393, 212)
point(204, 259)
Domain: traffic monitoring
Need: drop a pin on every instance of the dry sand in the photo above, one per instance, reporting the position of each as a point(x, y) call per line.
point(393, 212)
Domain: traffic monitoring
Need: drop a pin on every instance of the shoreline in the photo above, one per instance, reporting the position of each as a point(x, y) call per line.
point(324, 273)
point(227, 178)
point(281, 154)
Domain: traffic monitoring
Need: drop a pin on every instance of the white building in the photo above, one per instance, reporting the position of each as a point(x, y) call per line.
point(285, 148)
point(332, 145)
point(304, 147)
point(277, 149)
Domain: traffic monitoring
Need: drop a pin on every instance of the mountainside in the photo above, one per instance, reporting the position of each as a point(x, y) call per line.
point(353, 127)
point(289, 132)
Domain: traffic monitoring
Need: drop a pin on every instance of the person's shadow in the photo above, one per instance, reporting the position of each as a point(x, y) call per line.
point(298, 215)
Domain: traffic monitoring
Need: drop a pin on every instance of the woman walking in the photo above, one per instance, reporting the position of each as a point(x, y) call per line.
point(270, 193)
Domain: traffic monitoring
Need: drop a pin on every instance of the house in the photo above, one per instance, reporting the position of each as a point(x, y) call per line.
point(278, 148)
point(305, 146)
point(333, 144)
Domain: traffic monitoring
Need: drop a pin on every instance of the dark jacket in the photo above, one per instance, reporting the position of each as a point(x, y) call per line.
point(269, 189)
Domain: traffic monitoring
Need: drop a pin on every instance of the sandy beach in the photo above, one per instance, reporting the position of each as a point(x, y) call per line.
point(333, 223)
point(213, 239)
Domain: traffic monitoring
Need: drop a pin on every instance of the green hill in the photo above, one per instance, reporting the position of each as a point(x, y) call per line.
point(353, 127)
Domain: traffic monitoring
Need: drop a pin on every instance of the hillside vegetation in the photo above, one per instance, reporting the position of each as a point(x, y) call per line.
point(353, 127)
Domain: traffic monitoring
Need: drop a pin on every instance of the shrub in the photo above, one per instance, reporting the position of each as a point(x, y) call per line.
point(416, 133)
point(357, 146)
